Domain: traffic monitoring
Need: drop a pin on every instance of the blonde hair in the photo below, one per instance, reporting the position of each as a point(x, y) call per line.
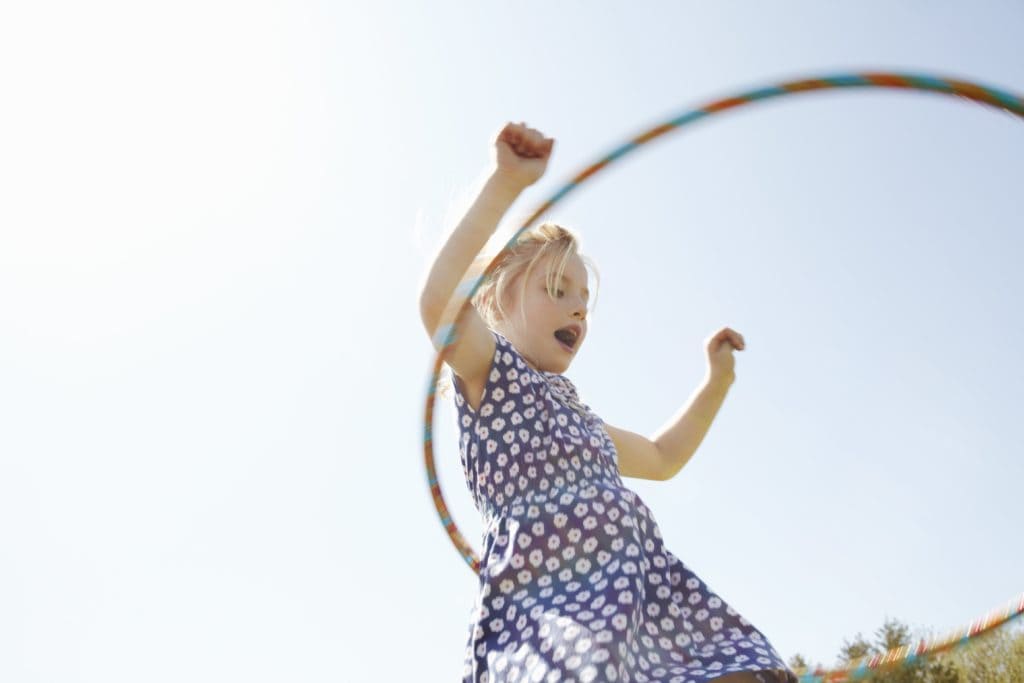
point(533, 246)
point(547, 240)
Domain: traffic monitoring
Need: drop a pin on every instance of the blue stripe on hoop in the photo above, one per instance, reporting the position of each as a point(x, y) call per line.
point(687, 117)
point(441, 336)
point(468, 286)
point(566, 189)
point(620, 151)
point(931, 83)
point(764, 93)
point(847, 80)
point(1006, 98)
point(861, 671)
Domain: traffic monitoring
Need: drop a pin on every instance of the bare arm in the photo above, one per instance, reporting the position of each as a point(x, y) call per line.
point(662, 457)
point(638, 456)
point(521, 156)
point(679, 438)
point(463, 245)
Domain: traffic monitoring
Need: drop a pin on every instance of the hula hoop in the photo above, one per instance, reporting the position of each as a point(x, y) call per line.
point(446, 333)
point(864, 667)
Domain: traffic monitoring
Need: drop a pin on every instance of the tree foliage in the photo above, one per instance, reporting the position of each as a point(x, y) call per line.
point(995, 657)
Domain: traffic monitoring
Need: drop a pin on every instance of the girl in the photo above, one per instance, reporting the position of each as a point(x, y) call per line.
point(575, 581)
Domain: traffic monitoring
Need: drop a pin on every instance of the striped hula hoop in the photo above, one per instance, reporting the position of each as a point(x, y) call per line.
point(447, 333)
point(899, 657)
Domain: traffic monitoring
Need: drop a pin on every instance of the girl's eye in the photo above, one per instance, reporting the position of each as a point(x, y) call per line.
point(560, 293)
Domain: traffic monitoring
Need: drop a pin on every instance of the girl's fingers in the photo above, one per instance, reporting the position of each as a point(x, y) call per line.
point(531, 134)
point(528, 146)
point(735, 336)
point(526, 142)
point(727, 335)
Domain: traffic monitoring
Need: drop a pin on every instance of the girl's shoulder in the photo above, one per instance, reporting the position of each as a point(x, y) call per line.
point(509, 373)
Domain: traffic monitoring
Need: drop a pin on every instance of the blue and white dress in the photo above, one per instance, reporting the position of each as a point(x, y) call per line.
point(576, 584)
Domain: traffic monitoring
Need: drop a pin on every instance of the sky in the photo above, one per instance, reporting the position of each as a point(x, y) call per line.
point(215, 222)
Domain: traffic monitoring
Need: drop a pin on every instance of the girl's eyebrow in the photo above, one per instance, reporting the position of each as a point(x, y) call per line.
point(571, 281)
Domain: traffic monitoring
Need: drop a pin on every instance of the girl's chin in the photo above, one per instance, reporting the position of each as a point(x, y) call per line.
point(565, 347)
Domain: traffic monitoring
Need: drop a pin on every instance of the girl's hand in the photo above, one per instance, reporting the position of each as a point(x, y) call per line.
point(719, 348)
point(522, 154)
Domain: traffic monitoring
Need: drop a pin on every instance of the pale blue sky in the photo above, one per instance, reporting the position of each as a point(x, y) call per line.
point(216, 217)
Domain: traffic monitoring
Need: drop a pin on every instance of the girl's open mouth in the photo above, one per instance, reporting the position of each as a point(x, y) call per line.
point(566, 339)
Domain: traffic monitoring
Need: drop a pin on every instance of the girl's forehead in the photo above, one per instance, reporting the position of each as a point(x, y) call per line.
point(574, 269)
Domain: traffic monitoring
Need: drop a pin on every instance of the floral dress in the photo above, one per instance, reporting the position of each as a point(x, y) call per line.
point(576, 584)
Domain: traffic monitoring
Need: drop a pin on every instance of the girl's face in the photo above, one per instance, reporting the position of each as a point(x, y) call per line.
point(544, 316)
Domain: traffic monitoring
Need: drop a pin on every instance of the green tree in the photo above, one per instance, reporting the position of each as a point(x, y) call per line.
point(855, 649)
point(996, 657)
point(799, 663)
point(893, 634)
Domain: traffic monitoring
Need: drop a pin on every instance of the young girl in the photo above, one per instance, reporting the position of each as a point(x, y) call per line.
point(575, 581)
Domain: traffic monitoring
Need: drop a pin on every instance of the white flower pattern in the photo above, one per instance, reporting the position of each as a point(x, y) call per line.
point(576, 584)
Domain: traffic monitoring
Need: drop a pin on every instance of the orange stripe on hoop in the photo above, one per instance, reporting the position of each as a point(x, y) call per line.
point(590, 171)
point(722, 105)
point(973, 91)
point(889, 80)
point(809, 84)
point(653, 133)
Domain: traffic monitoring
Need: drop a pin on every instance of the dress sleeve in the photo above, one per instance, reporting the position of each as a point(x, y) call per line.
point(507, 377)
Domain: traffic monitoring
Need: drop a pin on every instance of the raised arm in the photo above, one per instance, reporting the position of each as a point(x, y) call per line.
point(463, 245)
point(521, 158)
point(662, 456)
